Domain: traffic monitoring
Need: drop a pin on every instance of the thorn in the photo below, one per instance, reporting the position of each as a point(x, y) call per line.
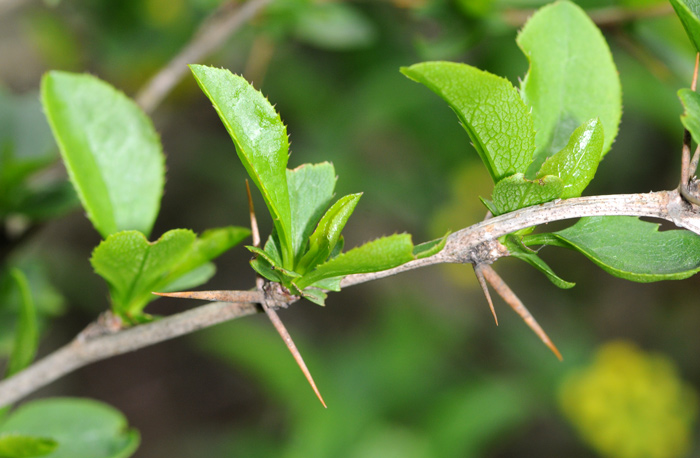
point(694, 83)
point(516, 304)
point(282, 330)
point(485, 289)
point(253, 221)
point(219, 296)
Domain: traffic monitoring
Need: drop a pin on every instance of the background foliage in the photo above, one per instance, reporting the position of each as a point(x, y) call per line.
point(412, 365)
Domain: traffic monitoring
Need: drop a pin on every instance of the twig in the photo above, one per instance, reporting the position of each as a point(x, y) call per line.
point(211, 34)
point(477, 243)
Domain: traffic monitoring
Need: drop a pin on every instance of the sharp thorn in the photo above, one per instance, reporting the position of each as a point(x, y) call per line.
point(219, 296)
point(485, 289)
point(253, 220)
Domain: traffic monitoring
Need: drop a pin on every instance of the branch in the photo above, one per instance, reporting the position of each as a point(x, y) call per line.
point(475, 244)
point(211, 34)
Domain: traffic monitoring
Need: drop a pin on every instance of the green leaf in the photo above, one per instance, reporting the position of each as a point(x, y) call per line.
point(577, 163)
point(261, 143)
point(110, 148)
point(315, 295)
point(689, 13)
point(520, 251)
point(635, 250)
point(82, 428)
point(516, 192)
point(327, 233)
point(490, 109)
point(572, 78)
point(381, 254)
point(691, 116)
point(310, 192)
point(427, 249)
point(26, 334)
point(134, 268)
point(22, 446)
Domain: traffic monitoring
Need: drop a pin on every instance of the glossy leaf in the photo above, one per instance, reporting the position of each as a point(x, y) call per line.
point(381, 254)
point(22, 446)
point(517, 192)
point(327, 233)
point(689, 13)
point(490, 109)
point(572, 78)
point(82, 428)
point(691, 115)
point(311, 189)
point(629, 248)
point(520, 251)
point(577, 163)
point(110, 148)
point(26, 332)
point(261, 143)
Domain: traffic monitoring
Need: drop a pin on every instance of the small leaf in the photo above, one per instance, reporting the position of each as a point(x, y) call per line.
point(22, 446)
point(490, 109)
point(577, 163)
point(381, 254)
point(82, 428)
point(689, 13)
point(26, 334)
point(316, 296)
point(110, 148)
point(427, 249)
point(635, 250)
point(572, 78)
point(310, 192)
point(327, 233)
point(261, 143)
point(519, 251)
point(517, 192)
point(691, 115)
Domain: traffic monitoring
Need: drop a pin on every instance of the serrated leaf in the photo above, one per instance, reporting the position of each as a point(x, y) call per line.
point(572, 78)
point(261, 143)
point(134, 268)
point(490, 109)
point(516, 192)
point(311, 189)
point(689, 13)
point(691, 115)
point(110, 148)
point(629, 248)
point(577, 163)
point(381, 254)
point(327, 233)
point(26, 334)
point(22, 446)
point(519, 251)
point(83, 428)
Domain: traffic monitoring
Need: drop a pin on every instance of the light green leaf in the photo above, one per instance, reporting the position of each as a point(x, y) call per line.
point(195, 277)
point(26, 334)
point(517, 192)
point(315, 295)
point(490, 109)
point(22, 446)
point(691, 116)
point(310, 192)
point(519, 251)
point(110, 148)
point(577, 163)
point(689, 13)
point(427, 249)
point(261, 143)
point(572, 78)
point(381, 254)
point(327, 233)
point(635, 250)
point(134, 268)
point(82, 428)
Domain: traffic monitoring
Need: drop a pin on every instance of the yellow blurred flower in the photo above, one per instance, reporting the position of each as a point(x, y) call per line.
point(631, 404)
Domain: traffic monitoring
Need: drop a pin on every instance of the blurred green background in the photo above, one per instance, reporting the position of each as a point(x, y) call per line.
point(410, 366)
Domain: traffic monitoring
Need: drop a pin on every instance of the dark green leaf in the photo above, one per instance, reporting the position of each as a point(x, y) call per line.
point(689, 13)
point(110, 148)
point(577, 163)
point(572, 78)
point(261, 142)
point(691, 116)
point(517, 192)
point(26, 334)
point(490, 109)
point(82, 428)
point(21, 446)
point(381, 254)
point(519, 251)
point(635, 250)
